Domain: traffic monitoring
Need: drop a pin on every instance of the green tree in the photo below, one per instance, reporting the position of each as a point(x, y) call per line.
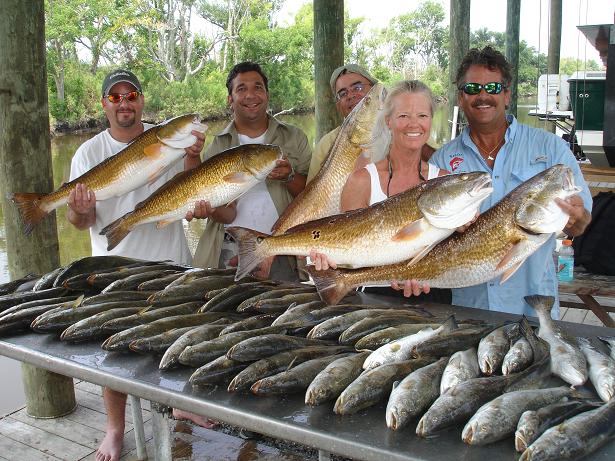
point(176, 50)
point(61, 31)
point(568, 66)
point(531, 63)
point(417, 39)
point(286, 55)
point(230, 17)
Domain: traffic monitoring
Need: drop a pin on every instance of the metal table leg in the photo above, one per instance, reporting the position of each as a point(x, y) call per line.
point(161, 432)
point(137, 423)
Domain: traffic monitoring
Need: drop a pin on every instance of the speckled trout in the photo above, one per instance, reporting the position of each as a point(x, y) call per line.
point(404, 226)
point(144, 160)
point(495, 245)
point(321, 197)
point(219, 180)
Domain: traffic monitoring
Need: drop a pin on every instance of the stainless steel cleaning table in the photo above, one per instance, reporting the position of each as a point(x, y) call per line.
point(361, 436)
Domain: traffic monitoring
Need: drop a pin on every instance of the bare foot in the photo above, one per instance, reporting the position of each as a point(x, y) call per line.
point(196, 419)
point(111, 446)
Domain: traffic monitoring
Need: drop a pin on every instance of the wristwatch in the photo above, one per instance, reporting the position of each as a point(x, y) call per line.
point(291, 175)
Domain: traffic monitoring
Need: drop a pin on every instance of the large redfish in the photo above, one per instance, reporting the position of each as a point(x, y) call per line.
point(144, 160)
point(497, 243)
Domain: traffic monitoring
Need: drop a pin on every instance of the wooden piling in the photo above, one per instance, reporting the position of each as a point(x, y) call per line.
point(25, 156)
point(459, 44)
point(328, 54)
point(513, 20)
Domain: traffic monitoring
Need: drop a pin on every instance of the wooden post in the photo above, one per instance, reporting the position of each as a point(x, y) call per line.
point(25, 156)
point(513, 19)
point(555, 37)
point(328, 54)
point(458, 46)
point(48, 394)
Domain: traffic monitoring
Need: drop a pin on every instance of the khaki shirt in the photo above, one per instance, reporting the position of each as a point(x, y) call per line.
point(294, 145)
point(321, 151)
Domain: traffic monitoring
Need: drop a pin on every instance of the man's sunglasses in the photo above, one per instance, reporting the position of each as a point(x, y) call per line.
point(116, 98)
point(474, 88)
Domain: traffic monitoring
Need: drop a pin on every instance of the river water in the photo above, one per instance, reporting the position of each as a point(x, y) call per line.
point(75, 244)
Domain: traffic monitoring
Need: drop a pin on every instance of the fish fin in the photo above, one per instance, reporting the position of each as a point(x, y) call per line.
point(144, 310)
point(421, 254)
point(239, 177)
point(116, 231)
point(29, 208)
point(153, 151)
point(78, 301)
point(164, 223)
point(541, 303)
point(410, 231)
point(507, 257)
point(250, 251)
point(292, 362)
point(330, 284)
point(508, 273)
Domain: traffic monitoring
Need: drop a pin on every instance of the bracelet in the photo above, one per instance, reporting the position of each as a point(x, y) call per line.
point(291, 175)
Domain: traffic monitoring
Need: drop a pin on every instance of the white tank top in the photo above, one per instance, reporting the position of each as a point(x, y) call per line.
point(377, 194)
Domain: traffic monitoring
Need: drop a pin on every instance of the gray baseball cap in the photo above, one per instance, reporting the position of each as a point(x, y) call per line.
point(117, 76)
point(350, 68)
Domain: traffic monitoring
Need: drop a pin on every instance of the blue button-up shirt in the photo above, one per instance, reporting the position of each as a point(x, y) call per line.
point(526, 152)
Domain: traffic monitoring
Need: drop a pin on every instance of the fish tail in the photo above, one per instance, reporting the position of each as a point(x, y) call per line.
point(540, 303)
point(251, 251)
point(29, 205)
point(116, 231)
point(330, 283)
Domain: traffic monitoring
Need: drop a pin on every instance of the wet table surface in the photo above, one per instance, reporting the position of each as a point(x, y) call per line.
point(361, 436)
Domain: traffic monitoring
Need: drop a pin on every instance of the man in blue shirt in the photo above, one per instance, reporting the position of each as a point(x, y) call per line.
point(512, 153)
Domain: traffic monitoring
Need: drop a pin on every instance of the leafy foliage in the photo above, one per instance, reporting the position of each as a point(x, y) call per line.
point(182, 50)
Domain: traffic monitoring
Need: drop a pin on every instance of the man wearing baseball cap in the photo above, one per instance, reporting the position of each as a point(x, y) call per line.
point(123, 102)
point(118, 76)
point(349, 84)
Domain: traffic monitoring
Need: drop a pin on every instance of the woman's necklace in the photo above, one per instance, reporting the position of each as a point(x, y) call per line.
point(421, 177)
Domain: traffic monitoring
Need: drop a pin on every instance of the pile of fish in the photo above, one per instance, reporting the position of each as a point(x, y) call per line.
point(273, 338)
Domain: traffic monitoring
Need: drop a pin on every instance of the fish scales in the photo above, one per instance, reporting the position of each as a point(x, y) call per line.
point(219, 180)
point(387, 232)
point(147, 157)
point(497, 243)
point(321, 196)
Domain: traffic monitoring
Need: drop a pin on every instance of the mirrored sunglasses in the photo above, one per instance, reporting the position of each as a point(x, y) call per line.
point(116, 98)
point(473, 88)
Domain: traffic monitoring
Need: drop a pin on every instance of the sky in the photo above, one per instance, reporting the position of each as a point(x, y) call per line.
point(491, 14)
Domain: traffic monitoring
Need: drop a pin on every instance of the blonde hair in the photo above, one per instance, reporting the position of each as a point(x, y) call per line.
point(381, 135)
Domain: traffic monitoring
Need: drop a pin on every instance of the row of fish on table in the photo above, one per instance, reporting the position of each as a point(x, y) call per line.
point(274, 338)
point(408, 236)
